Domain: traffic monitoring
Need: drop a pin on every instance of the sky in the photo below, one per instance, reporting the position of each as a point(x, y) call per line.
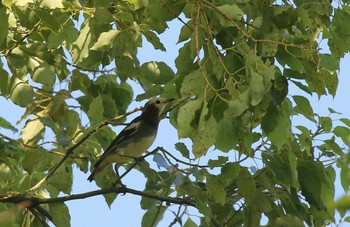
point(126, 211)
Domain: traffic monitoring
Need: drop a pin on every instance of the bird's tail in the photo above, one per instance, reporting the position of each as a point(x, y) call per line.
point(92, 175)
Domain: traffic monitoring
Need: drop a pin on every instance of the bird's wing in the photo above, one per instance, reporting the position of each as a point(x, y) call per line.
point(129, 130)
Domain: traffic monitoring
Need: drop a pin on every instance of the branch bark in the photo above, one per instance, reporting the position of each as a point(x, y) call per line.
point(35, 201)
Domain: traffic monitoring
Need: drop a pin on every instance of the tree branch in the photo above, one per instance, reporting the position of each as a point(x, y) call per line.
point(35, 201)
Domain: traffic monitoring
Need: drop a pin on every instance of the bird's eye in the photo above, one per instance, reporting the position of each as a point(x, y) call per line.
point(158, 102)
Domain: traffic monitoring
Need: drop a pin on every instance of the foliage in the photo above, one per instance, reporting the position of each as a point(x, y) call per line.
point(68, 62)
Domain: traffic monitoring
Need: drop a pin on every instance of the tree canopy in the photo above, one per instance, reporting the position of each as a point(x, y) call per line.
point(69, 64)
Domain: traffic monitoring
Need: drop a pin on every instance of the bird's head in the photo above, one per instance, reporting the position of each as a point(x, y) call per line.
point(155, 107)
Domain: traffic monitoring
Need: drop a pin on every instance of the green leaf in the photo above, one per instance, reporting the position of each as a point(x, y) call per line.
point(32, 130)
point(187, 113)
point(345, 178)
point(105, 40)
point(65, 186)
point(4, 81)
point(42, 72)
point(190, 223)
point(193, 84)
point(330, 81)
point(154, 40)
point(96, 109)
point(60, 214)
point(153, 215)
point(218, 162)
point(230, 171)
point(303, 106)
point(237, 106)
point(186, 32)
point(80, 47)
point(205, 138)
point(288, 220)
point(216, 189)
point(48, 4)
point(329, 62)
point(230, 11)
point(345, 121)
point(311, 178)
point(246, 185)
point(326, 124)
point(5, 124)
point(257, 89)
point(183, 149)
point(276, 123)
point(343, 133)
point(35, 161)
point(156, 73)
point(22, 94)
point(227, 136)
point(4, 15)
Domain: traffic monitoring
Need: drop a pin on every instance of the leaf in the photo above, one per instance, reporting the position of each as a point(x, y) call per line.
point(190, 223)
point(35, 161)
point(288, 220)
point(4, 15)
point(183, 149)
point(326, 124)
point(257, 89)
point(184, 60)
point(22, 94)
point(51, 4)
point(187, 113)
point(237, 106)
point(343, 133)
point(193, 85)
point(60, 214)
point(303, 106)
point(227, 136)
point(7, 125)
point(231, 11)
point(246, 185)
point(218, 162)
point(311, 178)
point(204, 139)
point(156, 72)
point(345, 178)
point(105, 40)
point(276, 124)
point(185, 32)
point(4, 81)
point(345, 121)
point(96, 109)
point(216, 189)
point(42, 72)
point(154, 40)
point(64, 172)
point(329, 62)
point(80, 47)
point(153, 215)
point(32, 130)
point(230, 172)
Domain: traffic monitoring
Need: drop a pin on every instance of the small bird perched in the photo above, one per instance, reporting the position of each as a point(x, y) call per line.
point(135, 138)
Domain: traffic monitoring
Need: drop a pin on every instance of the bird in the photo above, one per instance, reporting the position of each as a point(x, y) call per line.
point(134, 139)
